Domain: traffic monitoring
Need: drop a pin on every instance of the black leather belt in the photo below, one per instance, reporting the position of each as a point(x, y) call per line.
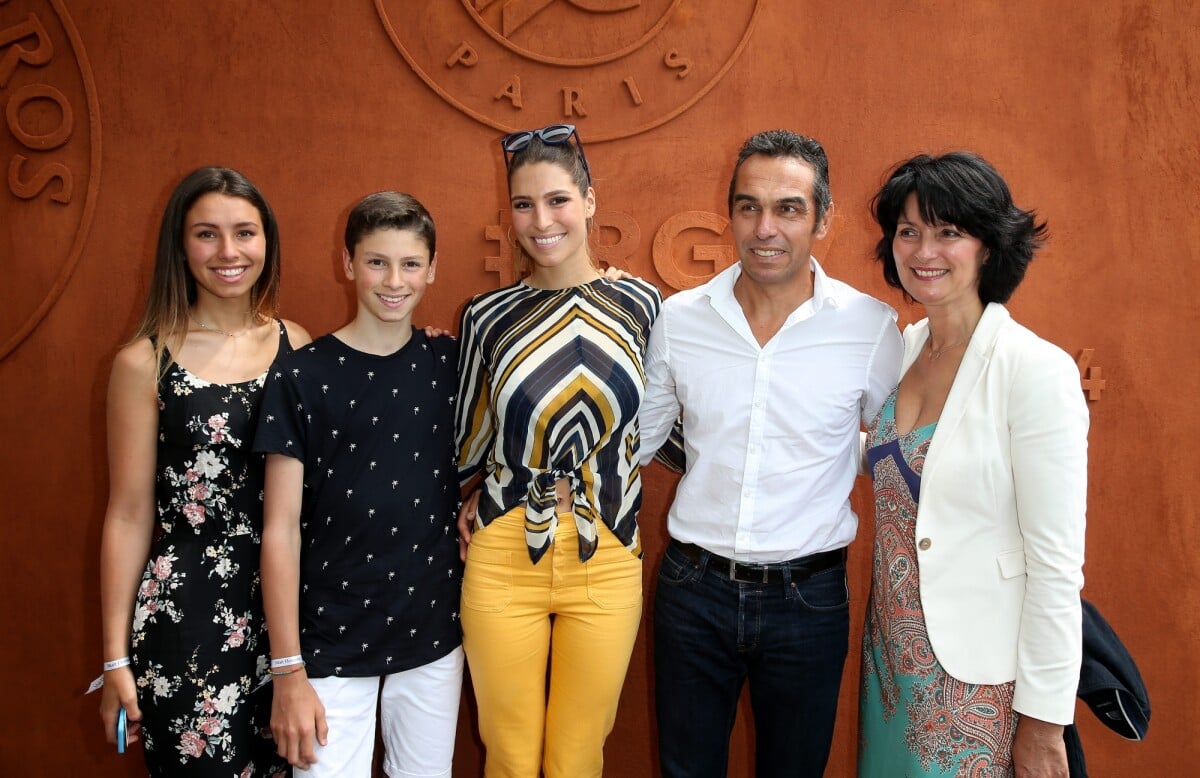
point(745, 572)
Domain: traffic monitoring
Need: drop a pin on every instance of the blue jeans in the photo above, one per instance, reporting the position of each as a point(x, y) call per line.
point(711, 634)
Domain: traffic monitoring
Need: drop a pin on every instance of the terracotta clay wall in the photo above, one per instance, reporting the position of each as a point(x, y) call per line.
point(1090, 110)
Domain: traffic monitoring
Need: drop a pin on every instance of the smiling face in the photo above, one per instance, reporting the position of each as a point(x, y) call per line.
point(938, 264)
point(774, 221)
point(225, 245)
point(549, 217)
point(390, 269)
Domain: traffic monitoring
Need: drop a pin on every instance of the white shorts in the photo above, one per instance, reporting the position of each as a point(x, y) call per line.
point(418, 717)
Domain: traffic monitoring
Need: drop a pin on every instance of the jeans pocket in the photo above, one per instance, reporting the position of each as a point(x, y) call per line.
point(827, 590)
point(615, 583)
point(677, 569)
point(487, 579)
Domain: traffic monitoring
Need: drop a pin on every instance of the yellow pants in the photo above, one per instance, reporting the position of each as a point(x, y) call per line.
point(582, 618)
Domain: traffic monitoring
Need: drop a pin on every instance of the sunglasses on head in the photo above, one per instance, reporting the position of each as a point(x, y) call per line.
point(552, 135)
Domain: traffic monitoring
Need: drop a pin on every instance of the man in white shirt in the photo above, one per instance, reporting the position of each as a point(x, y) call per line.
point(774, 367)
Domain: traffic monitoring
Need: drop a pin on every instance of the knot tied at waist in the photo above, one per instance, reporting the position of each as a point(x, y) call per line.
point(542, 509)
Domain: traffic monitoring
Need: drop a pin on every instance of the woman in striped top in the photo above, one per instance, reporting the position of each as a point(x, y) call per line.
point(551, 379)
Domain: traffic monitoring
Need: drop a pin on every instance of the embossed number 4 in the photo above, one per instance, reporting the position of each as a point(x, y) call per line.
point(1089, 376)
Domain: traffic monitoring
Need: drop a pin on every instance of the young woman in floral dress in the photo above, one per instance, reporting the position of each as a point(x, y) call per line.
point(184, 648)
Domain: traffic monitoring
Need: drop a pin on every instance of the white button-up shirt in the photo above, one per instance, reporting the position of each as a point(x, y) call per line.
point(771, 433)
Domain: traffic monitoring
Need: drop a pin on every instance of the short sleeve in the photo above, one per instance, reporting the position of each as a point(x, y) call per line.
point(282, 425)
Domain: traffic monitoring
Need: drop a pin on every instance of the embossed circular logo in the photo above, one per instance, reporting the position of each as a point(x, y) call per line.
point(614, 67)
point(49, 158)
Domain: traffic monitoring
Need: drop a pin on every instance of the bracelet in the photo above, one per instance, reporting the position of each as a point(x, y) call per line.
point(116, 664)
point(291, 669)
point(287, 661)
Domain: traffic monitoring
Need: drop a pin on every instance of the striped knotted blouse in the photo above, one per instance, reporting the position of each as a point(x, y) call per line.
point(550, 383)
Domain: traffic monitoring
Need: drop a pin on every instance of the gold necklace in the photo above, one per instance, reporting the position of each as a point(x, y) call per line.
point(218, 330)
point(934, 354)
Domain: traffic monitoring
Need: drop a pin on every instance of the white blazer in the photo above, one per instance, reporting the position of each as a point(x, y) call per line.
point(1001, 516)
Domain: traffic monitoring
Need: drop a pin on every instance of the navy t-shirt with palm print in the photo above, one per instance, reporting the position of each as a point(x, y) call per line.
point(380, 574)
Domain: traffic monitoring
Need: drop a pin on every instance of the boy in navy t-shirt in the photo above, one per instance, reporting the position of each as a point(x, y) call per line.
point(360, 566)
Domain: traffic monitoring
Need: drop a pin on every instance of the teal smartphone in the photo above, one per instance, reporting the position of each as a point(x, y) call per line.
point(122, 731)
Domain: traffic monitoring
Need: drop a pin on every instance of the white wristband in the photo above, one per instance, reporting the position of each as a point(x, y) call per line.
point(116, 663)
point(287, 661)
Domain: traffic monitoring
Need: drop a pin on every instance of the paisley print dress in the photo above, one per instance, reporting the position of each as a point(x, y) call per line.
point(199, 647)
point(914, 719)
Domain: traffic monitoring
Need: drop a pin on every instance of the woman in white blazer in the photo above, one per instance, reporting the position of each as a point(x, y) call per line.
point(972, 643)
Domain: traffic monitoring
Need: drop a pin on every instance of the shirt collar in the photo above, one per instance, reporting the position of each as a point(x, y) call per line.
point(720, 288)
point(824, 292)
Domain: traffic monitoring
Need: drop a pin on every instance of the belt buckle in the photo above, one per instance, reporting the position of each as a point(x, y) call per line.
point(733, 576)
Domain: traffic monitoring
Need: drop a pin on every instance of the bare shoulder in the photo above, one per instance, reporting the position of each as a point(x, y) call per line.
point(134, 377)
point(135, 361)
point(296, 334)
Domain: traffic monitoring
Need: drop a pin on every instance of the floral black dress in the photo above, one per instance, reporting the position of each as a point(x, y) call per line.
point(199, 644)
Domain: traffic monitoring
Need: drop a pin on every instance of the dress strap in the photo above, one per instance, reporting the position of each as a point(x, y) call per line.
point(165, 359)
point(285, 344)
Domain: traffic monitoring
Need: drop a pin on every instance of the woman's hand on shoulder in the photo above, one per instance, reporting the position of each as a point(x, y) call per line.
point(436, 332)
point(1039, 750)
point(297, 335)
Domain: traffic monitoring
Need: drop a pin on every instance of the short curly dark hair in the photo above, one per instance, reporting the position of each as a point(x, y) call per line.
point(962, 189)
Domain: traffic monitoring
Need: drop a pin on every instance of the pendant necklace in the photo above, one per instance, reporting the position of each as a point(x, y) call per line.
point(218, 330)
point(934, 354)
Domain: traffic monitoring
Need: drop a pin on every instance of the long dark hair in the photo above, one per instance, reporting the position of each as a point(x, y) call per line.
point(172, 287)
